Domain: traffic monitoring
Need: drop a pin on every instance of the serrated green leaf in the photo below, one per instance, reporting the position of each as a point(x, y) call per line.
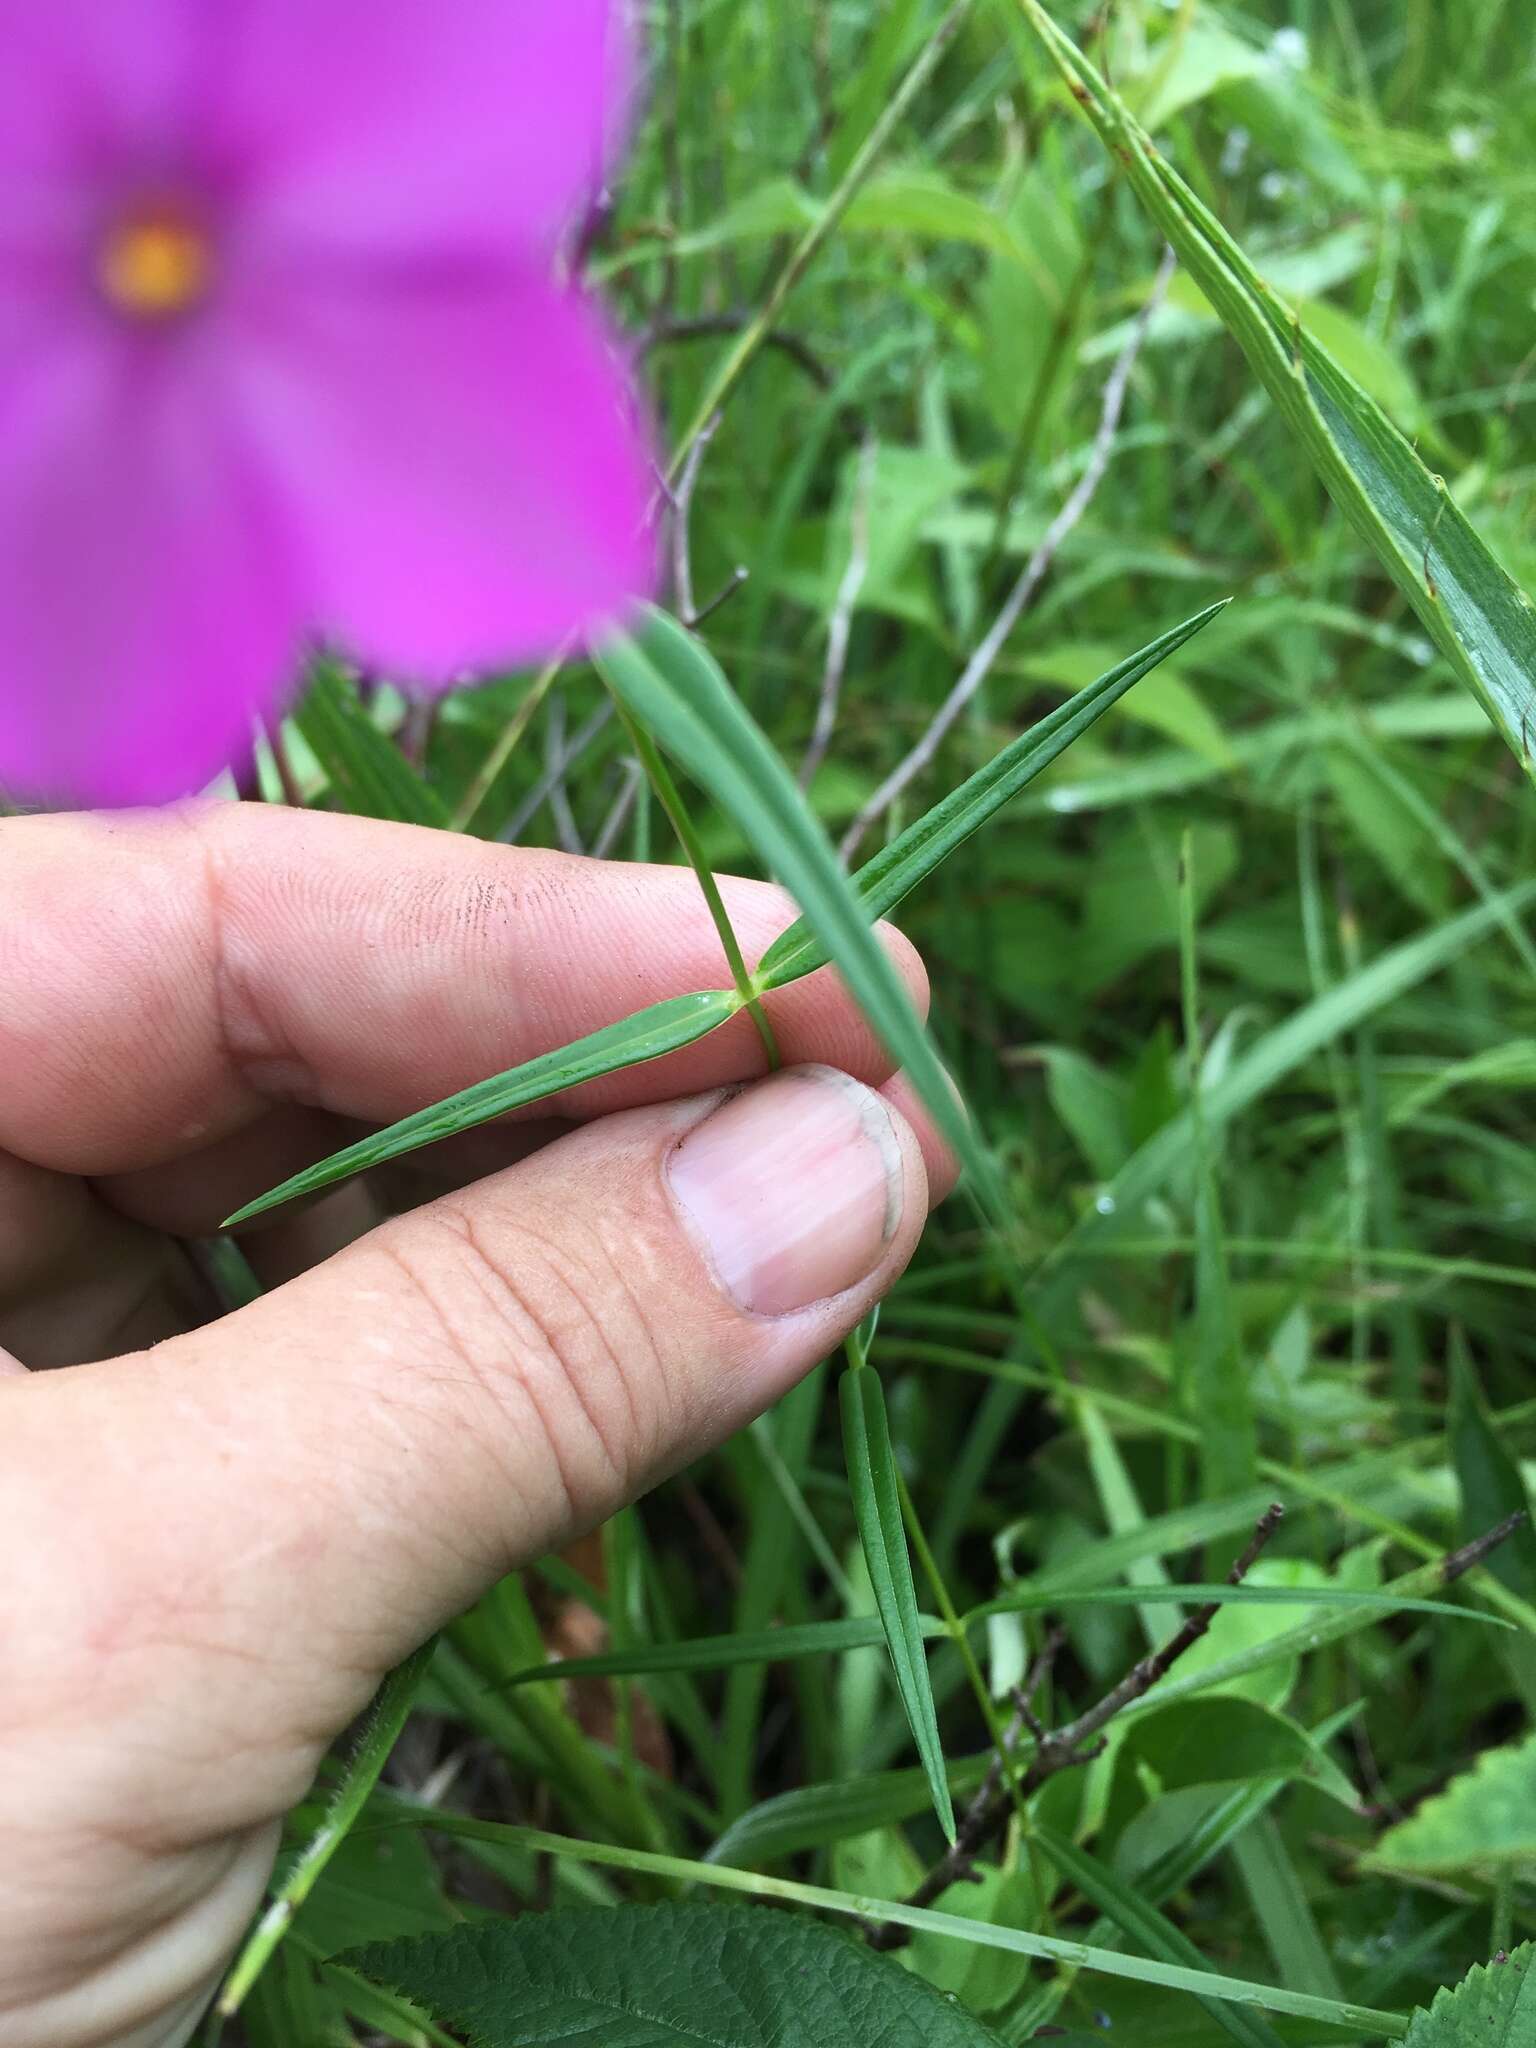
point(663, 1028)
point(913, 855)
point(668, 1977)
point(1484, 1821)
point(365, 767)
point(877, 1509)
point(1494, 2006)
point(1471, 607)
point(669, 682)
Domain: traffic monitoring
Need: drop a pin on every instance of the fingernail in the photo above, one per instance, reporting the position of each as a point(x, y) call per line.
point(792, 1188)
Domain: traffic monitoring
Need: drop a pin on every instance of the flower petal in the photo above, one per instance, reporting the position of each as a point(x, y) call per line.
point(479, 124)
point(87, 87)
point(467, 475)
point(147, 609)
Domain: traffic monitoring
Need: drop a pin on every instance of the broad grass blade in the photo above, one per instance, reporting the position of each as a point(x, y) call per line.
point(387, 1716)
point(911, 857)
point(877, 1509)
point(664, 1027)
point(1473, 610)
point(669, 682)
point(367, 770)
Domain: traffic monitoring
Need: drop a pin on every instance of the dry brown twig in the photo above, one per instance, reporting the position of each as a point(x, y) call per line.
point(1060, 1749)
point(840, 624)
point(987, 650)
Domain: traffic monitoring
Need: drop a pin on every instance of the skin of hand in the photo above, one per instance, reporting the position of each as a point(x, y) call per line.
point(221, 1533)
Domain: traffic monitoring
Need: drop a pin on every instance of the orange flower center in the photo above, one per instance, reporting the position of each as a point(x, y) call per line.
point(155, 264)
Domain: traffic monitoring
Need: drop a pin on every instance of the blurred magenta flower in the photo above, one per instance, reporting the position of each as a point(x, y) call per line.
point(282, 351)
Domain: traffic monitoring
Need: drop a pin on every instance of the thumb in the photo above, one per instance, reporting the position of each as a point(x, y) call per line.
point(247, 1525)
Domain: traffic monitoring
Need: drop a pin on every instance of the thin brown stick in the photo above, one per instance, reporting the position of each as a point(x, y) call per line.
point(1457, 1562)
point(840, 625)
point(1077, 1743)
point(981, 663)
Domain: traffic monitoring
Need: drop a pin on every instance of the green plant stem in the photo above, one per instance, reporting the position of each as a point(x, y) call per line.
point(467, 816)
point(668, 796)
point(811, 243)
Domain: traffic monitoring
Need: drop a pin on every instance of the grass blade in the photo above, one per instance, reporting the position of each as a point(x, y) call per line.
point(912, 856)
point(387, 1716)
point(856, 1632)
point(673, 687)
point(367, 771)
point(723, 1653)
point(1145, 1925)
point(1470, 606)
point(663, 1028)
point(877, 1507)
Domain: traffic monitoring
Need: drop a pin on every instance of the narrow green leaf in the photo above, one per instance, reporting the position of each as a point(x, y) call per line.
point(663, 1028)
point(672, 685)
point(387, 1716)
point(913, 855)
point(1217, 1387)
point(722, 1653)
point(700, 1976)
point(856, 1632)
point(366, 769)
point(1488, 1474)
point(1146, 1926)
point(1283, 1910)
point(1471, 607)
point(877, 1508)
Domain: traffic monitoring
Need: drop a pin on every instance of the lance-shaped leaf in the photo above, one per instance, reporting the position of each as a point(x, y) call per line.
point(877, 1509)
point(664, 1027)
point(914, 854)
point(669, 682)
point(1471, 607)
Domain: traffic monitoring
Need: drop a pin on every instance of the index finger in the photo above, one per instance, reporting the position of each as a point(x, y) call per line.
point(167, 978)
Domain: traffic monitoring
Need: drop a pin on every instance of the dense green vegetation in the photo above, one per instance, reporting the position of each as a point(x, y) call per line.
point(1240, 993)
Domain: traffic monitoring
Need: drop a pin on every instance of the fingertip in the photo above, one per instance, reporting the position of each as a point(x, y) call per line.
point(943, 1168)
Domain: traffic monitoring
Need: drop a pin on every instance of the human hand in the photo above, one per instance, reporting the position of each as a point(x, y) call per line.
point(219, 1541)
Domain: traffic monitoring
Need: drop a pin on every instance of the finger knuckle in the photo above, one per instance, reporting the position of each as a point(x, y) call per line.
point(551, 1334)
